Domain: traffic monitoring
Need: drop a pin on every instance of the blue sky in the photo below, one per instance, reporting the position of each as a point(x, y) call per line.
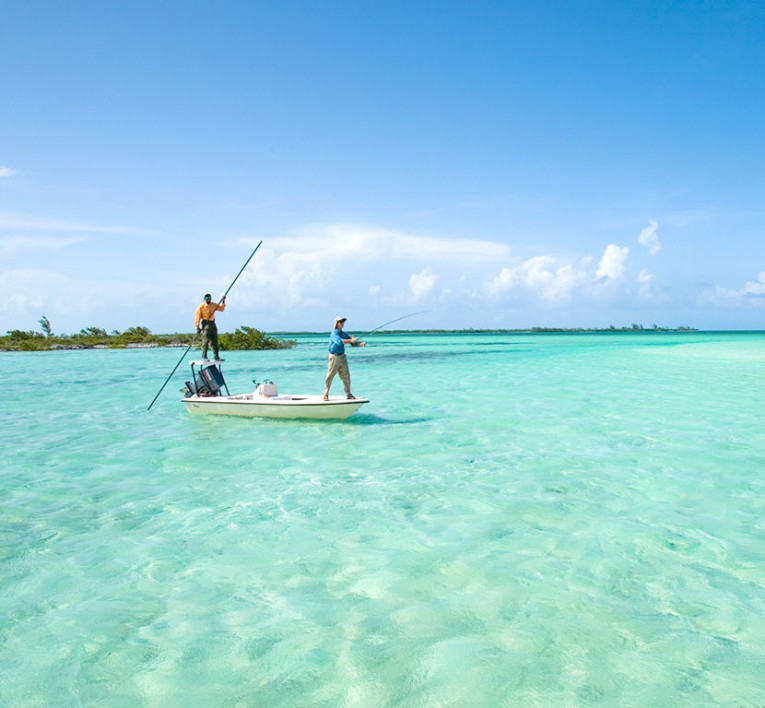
point(493, 164)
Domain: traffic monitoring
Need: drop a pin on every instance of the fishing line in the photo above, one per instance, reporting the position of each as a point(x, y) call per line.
point(398, 319)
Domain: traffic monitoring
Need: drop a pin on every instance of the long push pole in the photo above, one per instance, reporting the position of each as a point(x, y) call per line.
point(193, 341)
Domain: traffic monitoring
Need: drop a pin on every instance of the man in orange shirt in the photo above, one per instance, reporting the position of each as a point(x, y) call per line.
point(204, 321)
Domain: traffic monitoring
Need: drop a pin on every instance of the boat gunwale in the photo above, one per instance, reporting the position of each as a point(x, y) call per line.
point(307, 401)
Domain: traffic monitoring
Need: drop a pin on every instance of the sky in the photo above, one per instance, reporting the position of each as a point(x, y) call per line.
point(486, 164)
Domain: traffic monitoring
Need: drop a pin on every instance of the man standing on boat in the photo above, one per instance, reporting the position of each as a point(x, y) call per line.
point(338, 364)
point(204, 321)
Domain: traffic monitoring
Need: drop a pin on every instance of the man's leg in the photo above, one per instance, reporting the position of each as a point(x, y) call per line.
point(345, 375)
point(332, 364)
point(214, 339)
point(205, 341)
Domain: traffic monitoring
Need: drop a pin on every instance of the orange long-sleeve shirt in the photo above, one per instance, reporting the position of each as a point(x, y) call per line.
point(206, 311)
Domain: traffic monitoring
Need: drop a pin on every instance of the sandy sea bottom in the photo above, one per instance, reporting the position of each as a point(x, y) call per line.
point(537, 520)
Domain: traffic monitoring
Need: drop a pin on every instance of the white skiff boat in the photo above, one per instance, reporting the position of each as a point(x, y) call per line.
point(204, 394)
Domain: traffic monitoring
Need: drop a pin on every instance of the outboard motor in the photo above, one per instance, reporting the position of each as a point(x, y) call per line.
point(208, 382)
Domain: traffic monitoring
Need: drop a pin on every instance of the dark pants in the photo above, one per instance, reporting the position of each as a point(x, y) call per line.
point(210, 338)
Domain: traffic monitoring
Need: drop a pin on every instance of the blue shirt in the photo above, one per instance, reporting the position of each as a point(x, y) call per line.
point(336, 345)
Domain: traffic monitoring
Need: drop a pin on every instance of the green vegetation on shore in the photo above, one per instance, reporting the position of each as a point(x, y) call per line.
point(134, 337)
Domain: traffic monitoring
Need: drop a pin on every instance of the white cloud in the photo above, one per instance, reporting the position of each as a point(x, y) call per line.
point(649, 237)
point(752, 292)
point(421, 284)
point(17, 244)
point(13, 221)
point(7, 171)
point(298, 278)
point(542, 277)
point(28, 289)
point(329, 262)
point(688, 217)
point(645, 283)
point(501, 282)
point(371, 243)
point(303, 278)
point(756, 288)
point(612, 263)
point(553, 282)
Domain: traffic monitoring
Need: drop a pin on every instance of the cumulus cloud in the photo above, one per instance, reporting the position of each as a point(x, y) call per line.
point(326, 261)
point(612, 264)
point(649, 238)
point(7, 171)
point(551, 281)
point(541, 276)
point(299, 278)
point(422, 283)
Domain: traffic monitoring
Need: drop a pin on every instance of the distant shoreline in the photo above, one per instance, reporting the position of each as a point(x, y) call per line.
point(531, 330)
point(256, 340)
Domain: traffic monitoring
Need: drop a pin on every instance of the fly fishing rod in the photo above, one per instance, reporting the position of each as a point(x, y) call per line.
point(193, 341)
point(398, 319)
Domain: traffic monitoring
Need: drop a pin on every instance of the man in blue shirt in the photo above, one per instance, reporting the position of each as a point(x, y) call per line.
point(338, 363)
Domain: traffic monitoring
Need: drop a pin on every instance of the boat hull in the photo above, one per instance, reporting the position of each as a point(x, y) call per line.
point(283, 407)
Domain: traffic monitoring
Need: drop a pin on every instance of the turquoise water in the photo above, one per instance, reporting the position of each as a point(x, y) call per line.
point(536, 520)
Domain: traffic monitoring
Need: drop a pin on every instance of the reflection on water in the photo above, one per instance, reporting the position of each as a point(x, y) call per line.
point(371, 419)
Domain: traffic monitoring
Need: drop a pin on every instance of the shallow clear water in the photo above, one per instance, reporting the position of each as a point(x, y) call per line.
point(513, 520)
